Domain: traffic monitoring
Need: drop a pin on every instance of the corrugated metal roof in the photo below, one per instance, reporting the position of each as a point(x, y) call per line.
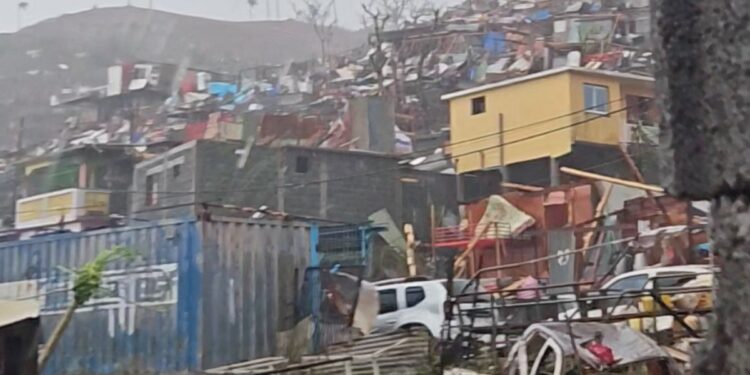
point(12, 312)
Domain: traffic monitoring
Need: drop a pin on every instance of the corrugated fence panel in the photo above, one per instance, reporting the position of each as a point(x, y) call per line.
point(148, 319)
point(249, 286)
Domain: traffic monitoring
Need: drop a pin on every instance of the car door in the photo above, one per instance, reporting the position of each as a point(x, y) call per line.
point(388, 312)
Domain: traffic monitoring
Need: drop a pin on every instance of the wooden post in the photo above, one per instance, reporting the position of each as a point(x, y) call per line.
point(432, 230)
point(599, 210)
point(56, 335)
point(639, 177)
point(410, 262)
point(498, 261)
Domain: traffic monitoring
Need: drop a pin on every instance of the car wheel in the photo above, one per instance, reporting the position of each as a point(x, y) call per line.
point(417, 328)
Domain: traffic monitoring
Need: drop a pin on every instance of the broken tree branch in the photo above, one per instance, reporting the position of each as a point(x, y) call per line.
point(86, 284)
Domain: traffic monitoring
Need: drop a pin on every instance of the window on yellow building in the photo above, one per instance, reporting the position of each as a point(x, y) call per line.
point(478, 105)
point(596, 98)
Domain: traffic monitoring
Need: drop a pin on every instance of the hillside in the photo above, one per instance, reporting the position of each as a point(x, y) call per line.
point(74, 50)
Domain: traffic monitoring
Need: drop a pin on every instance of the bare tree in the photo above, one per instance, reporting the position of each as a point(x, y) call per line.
point(400, 11)
point(378, 58)
point(322, 16)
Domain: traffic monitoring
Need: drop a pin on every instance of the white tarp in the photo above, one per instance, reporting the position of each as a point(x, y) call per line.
point(510, 220)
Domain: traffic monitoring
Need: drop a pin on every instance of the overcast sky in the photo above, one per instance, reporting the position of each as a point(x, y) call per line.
point(233, 10)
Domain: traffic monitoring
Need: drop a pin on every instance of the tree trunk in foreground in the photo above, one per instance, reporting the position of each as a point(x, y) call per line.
point(703, 87)
point(55, 337)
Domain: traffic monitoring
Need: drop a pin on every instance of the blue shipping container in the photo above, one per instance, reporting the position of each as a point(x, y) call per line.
point(200, 295)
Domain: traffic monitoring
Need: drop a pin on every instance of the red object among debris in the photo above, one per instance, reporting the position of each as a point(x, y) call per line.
point(196, 130)
point(611, 57)
point(602, 352)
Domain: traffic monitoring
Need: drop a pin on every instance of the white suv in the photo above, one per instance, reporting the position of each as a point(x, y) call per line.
point(421, 304)
point(416, 304)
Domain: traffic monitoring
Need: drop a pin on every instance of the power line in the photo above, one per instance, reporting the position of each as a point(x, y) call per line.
point(415, 153)
point(175, 194)
point(372, 173)
point(210, 204)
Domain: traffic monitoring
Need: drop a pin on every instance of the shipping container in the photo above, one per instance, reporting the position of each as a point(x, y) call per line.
point(201, 294)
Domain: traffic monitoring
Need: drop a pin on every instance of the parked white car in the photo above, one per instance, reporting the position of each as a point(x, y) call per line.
point(417, 304)
point(667, 277)
point(645, 279)
point(414, 304)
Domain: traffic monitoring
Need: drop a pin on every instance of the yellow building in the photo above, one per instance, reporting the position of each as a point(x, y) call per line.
point(541, 115)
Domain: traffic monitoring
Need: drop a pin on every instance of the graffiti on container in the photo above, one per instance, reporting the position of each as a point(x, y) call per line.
point(124, 291)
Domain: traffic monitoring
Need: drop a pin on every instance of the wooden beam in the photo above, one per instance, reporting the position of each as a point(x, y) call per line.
point(599, 210)
point(613, 180)
point(529, 188)
point(639, 177)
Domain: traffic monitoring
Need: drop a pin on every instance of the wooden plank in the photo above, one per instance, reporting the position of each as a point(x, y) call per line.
point(521, 187)
point(639, 177)
point(599, 210)
point(613, 180)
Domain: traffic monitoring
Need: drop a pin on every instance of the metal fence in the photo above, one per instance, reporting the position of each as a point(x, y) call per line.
point(343, 245)
point(330, 298)
point(339, 261)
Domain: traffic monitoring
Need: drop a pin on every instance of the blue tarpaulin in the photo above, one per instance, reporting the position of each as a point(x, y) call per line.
point(221, 89)
point(494, 42)
point(540, 15)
